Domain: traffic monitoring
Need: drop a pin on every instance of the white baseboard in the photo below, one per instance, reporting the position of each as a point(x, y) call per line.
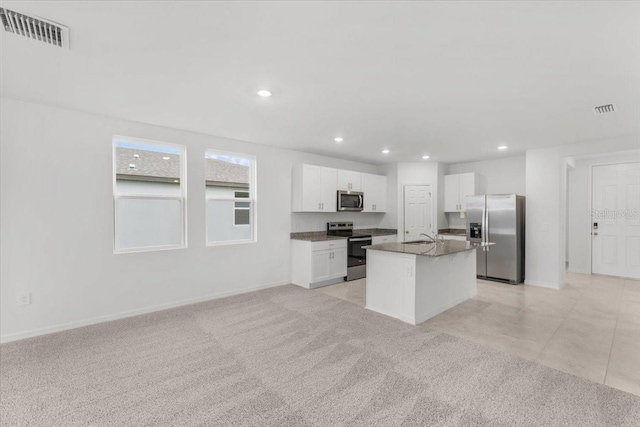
point(124, 314)
point(573, 270)
point(543, 284)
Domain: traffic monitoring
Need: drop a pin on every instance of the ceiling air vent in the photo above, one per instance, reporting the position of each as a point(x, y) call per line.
point(35, 28)
point(605, 109)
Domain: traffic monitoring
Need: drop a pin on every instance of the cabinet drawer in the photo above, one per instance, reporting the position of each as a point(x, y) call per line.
point(328, 244)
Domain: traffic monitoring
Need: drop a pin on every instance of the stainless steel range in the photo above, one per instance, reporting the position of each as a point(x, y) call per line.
point(356, 255)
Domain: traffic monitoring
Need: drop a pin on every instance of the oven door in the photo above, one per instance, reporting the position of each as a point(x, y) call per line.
point(356, 255)
point(350, 201)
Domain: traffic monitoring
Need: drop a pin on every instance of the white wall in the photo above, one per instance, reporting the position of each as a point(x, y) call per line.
point(498, 176)
point(57, 223)
point(578, 208)
point(546, 193)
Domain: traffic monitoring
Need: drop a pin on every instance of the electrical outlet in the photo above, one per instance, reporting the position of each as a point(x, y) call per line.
point(24, 298)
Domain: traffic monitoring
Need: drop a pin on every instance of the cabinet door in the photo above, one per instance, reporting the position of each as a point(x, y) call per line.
point(349, 181)
point(369, 190)
point(311, 188)
point(321, 268)
point(329, 191)
point(467, 188)
point(338, 263)
point(355, 178)
point(381, 193)
point(451, 193)
point(343, 180)
point(374, 188)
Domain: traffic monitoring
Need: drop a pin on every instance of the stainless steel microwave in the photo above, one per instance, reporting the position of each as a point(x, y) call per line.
point(350, 201)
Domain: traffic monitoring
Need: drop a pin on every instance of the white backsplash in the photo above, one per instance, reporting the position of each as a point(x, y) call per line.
point(454, 220)
point(309, 221)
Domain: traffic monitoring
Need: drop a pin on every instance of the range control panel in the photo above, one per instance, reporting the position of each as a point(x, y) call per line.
point(475, 230)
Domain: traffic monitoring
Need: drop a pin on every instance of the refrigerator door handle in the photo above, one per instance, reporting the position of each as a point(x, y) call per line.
point(485, 228)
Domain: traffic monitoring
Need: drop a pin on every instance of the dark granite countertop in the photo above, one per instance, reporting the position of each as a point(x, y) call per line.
point(446, 247)
point(453, 231)
point(375, 231)
point(314, 236)
point(319, 236)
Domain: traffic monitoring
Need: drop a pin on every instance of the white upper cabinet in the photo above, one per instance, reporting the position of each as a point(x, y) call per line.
point(349, 180)
point(374, 188)
point(456, 189)
point(314, 189)
point(451, 193)
point(468, 187)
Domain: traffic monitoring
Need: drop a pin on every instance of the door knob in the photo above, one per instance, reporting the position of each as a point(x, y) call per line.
point(406, 232)
point(595, 233)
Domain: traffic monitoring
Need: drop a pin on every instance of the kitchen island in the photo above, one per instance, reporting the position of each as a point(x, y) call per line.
point(415, 281)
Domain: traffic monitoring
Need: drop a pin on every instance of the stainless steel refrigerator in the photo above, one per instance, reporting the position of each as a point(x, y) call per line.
point(499, 219)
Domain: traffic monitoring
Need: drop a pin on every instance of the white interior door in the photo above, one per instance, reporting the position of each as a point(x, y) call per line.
point(615, 202)
point(417, 211)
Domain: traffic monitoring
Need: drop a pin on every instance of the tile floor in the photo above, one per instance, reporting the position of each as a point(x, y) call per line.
point(589, 328)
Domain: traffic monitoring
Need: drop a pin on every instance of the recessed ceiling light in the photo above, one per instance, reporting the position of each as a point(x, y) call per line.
point(264, 93)
point(176, 180)
point(425, 157)
point(338, 139)
point(385, 151)
point(502, 147)
point(166, 158)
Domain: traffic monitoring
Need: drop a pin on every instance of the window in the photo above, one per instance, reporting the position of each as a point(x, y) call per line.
point(149, 195)
point(230, 198)
point(242, 210)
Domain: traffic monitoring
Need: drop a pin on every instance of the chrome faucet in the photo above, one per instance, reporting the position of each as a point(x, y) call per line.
point(433, 239)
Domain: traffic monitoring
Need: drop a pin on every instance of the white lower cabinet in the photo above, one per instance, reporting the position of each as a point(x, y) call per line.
point(377, 240)
point(315, 264)
point(328, 264)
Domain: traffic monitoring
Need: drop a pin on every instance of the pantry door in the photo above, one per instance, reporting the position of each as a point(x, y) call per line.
point(417, 212)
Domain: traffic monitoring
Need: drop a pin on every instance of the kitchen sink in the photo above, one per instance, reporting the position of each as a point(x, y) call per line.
point(420, 242)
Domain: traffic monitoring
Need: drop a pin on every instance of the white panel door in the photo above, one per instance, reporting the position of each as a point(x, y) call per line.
point(417, 211)
point(311, 188)
point(615, 241)
point(451, 193)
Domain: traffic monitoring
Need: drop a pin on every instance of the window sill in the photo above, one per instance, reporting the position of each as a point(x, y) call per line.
point(230, 242)
point(148, 249)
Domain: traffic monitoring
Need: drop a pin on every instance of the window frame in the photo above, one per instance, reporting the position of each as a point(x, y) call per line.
point(236, 208)
point(252, 200)
point(182, 197)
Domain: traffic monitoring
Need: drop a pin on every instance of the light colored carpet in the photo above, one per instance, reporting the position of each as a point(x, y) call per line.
point(287, 357)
